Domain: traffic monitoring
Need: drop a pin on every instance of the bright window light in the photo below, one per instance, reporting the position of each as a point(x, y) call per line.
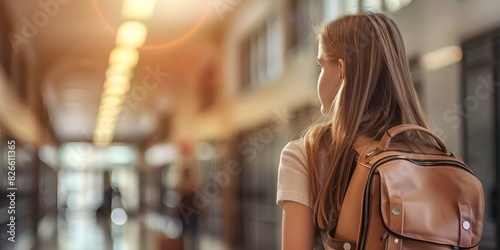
point(351, 6)
point(372, 5)
point(395, 5)
point(333, 9)
point(119, 155)
point(75, 155)
point(132, 34)
point(161, 155)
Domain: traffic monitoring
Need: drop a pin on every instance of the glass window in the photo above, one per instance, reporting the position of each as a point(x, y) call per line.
point(299, 23)
point(254, 59)
point(262, 54)
point(80, 190)
point(396, 5)
point(261, 66)
point(274, 45)
point(332, 9)
point(351, 6)
point(372, 5)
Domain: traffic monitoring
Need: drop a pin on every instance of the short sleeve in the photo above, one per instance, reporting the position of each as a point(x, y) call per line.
point(293, 175)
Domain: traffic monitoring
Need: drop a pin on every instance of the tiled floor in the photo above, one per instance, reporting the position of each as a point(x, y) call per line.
point(81, 231)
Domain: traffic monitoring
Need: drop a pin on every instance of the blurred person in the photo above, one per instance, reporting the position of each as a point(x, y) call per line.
point(111, 200)
point(364, 89)
point(182, 183)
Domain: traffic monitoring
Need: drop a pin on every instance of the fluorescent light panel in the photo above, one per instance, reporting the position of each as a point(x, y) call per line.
point(442, 57)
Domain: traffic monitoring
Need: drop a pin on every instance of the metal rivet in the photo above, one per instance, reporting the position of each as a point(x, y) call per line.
point(370, 153)
point(347, 246)
point(466, 225)
point(396, 241)
point(396, 211)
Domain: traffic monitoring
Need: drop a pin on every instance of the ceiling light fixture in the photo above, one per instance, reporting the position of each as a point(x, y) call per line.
point(122, 61)
point(131, 34)
point(442, 57)
point(117, 85)
point(138, 9)
point(125, 56)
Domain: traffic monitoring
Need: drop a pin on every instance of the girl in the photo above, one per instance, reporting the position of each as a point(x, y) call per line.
point(364, 88)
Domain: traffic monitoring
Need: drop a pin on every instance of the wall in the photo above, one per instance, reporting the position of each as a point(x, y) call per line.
point(429, 25)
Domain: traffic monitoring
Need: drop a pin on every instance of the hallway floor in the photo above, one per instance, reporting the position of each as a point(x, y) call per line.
point(86, 232)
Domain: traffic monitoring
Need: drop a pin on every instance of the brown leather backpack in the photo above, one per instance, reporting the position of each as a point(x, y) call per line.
point(409, 197)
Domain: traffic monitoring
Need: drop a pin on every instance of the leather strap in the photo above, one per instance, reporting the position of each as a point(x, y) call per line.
point(349, 221)
point(465, 224)
point(394, 243)
point(341, 244)
point(396, 215)
point(361, 143)
point(396, 222)
point(389, 134)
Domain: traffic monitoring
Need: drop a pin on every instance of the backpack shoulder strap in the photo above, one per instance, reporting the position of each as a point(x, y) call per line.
point(362, 145)
point(346, 230)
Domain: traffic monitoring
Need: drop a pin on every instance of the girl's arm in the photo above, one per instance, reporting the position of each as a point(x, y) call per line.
point(298, 228)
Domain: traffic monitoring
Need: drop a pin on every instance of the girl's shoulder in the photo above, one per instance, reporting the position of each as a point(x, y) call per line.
point(295, 147)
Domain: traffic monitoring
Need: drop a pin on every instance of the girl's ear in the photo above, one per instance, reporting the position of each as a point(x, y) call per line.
point(342, 68)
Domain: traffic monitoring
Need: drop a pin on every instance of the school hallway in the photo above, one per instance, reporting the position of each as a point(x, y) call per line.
point(158, 124)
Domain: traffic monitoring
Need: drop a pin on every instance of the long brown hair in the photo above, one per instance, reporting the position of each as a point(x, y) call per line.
point(377, 93)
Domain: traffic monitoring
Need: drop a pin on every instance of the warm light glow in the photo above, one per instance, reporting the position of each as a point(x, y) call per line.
point(103, 140)
point(109, 111)
point(138, 9)
point(116, 85)
point(132, 34)
point(442, 57)
point(102, 143)
point(126, 56)
point(119, 69)
point(106, 124)
point(122, 61)
point(112, 100)
point(105, 133)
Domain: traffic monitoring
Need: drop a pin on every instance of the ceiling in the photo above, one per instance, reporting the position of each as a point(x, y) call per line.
point(69, 42)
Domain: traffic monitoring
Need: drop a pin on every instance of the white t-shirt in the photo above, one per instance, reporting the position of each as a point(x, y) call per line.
point(293, 182)
point(293, 179)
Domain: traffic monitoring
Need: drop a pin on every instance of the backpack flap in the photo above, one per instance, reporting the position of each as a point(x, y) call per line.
point(436, 204)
